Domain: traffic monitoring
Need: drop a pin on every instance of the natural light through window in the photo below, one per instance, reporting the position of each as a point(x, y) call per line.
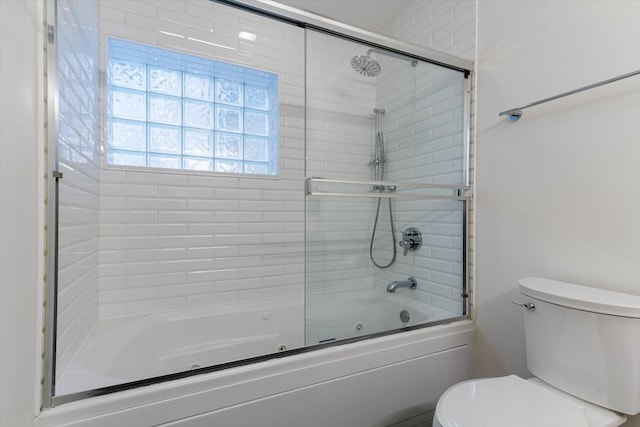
point(170, 110)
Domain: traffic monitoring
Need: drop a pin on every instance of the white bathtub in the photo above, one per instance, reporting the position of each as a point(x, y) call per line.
point(371, 382)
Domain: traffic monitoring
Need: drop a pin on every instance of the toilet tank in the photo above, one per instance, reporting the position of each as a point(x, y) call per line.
point(584, 341)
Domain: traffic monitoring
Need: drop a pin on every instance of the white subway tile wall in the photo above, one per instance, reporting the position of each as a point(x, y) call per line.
point(78, 157)
point(423, 130)
point(173, 240)
point(340, 131)
point(448, 26)
point(445, 25)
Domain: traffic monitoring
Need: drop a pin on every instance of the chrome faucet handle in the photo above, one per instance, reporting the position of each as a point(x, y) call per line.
point(407, 244)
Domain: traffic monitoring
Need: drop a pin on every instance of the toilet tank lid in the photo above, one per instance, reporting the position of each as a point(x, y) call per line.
point(581, 297)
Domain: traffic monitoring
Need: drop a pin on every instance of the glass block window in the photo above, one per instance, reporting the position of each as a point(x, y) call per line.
point(170, 110)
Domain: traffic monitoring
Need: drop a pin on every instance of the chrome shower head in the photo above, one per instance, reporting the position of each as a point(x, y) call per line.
point(365, 65)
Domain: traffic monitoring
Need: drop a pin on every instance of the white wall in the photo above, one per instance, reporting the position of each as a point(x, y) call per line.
point(557, 192)
point(21, 208)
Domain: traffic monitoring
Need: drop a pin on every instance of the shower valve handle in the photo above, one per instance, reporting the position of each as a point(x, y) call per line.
point(411, 240)
point(407, 244)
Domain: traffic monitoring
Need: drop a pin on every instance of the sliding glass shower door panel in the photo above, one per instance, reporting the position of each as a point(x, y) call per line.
point(386, 190)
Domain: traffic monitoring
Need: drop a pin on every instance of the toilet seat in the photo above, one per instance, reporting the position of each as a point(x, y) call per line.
point(514, 402)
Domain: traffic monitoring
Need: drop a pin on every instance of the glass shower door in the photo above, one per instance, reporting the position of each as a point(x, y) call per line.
point(386, 191)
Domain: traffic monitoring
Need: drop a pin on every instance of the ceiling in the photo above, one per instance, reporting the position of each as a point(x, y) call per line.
point(366, 14)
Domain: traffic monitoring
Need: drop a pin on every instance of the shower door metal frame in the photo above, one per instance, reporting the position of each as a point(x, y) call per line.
point(281, 13)
point(52, 180)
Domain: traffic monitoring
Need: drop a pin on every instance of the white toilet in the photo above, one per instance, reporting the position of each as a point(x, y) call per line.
point(583, 346)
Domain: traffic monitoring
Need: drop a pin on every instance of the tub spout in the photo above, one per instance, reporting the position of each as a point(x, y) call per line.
point(410, 283)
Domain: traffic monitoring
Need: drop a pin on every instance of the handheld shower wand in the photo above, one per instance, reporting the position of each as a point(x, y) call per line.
point(379, 164)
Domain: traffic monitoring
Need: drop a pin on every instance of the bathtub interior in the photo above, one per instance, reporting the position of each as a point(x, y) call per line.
point(124, 350)
point(165, 271)
point(337, 316)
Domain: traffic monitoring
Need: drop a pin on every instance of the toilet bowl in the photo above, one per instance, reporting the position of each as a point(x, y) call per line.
point(583, 347)
point(514, 402)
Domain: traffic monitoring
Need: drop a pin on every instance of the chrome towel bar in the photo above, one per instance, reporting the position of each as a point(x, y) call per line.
point(515, 113)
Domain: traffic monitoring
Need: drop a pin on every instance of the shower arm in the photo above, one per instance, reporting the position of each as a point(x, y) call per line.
point(414, 62)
